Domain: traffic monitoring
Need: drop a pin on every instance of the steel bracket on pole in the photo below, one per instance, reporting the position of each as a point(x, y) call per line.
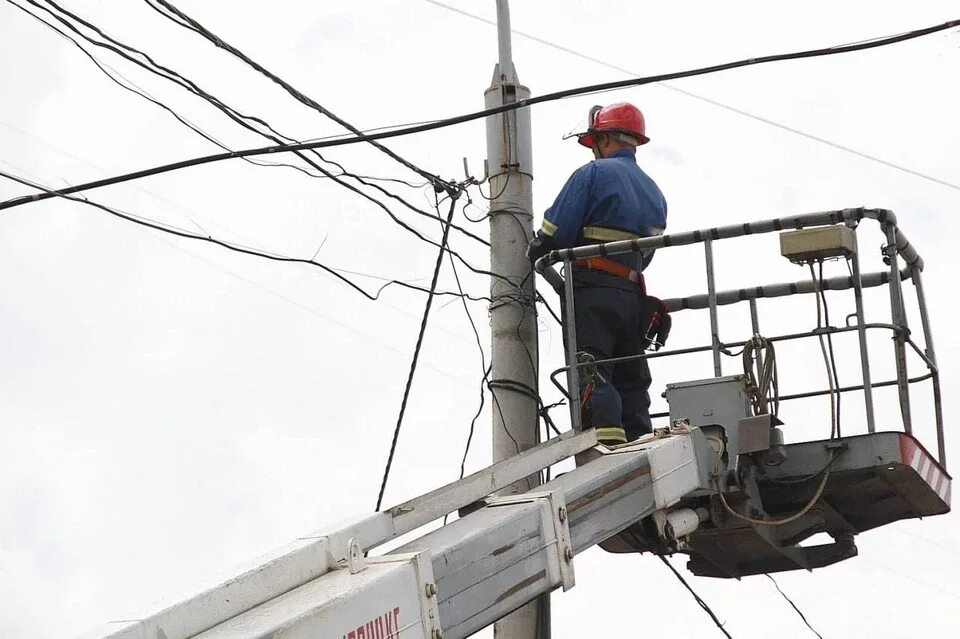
point(553, 509)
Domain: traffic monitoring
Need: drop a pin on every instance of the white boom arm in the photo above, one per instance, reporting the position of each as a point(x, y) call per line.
point(450, 582)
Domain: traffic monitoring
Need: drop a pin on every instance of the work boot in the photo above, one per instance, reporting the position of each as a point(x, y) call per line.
point(607, 437)
point(611, 435)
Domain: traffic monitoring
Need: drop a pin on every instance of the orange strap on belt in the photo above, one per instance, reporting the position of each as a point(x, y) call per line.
point(615, 268)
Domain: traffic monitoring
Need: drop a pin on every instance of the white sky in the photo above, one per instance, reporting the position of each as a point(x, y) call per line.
point(170, 409)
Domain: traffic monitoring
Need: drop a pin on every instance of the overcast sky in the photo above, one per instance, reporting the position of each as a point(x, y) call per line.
point(171, 409)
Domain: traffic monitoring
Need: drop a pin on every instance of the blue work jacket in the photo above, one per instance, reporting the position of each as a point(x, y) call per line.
point(607, 200)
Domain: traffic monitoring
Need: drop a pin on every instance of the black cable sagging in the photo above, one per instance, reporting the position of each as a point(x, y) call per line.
point(793, 605)
point(140, 92)
point(249, 122)
point(549, 97)
point(483, 360)
point(700, 602)
point(416, 353)
point(238, 248)
point(128, 52)
point(239, 118)
point(193, 25)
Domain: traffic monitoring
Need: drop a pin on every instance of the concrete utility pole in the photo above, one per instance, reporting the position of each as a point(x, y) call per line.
point(513, 311)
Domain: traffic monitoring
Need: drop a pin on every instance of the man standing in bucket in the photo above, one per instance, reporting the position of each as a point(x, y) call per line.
point(606, 200)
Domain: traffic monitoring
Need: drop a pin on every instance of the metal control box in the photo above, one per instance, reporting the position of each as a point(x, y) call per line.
point(819, 243)
point(717, 401)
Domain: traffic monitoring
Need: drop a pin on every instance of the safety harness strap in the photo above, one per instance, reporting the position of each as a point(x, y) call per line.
point(615, 268)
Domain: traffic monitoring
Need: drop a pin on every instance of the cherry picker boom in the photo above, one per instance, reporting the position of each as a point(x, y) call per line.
point(719, 482)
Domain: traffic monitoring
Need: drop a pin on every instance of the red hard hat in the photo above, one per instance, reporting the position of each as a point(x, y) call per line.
point(621, 117)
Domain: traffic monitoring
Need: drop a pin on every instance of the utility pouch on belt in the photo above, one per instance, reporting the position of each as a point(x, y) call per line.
point(655, 323)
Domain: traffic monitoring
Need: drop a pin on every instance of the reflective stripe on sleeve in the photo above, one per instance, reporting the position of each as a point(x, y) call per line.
point(548, 227)
point(605, 234)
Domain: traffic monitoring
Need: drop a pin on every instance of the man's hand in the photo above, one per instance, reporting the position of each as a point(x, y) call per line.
point(539, 246)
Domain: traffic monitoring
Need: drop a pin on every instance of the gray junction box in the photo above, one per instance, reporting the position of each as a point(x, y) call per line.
point(718, 401)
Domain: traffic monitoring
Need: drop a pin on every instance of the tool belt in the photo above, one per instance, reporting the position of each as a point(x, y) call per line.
point(655, 320)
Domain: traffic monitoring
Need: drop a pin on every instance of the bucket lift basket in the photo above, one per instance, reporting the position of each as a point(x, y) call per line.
point(756, 513)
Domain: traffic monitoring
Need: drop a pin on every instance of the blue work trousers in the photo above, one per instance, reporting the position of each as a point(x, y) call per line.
point(608, 325)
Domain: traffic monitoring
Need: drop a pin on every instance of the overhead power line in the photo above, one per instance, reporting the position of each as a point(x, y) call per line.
point(128, 85)
point(252, 123)
point(439, 124)
point(416, 351)
point(700, 602)
point(172, 75)
point(483, 359)
point(710, 101)
point(257, 285)
point(176, 15)
point(237, 248)
point(249, 122)
point(794, 606)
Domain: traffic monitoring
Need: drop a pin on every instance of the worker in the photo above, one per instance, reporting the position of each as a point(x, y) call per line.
point(608, 199)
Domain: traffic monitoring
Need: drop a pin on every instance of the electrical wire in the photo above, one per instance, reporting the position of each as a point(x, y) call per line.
point(128, 85)
point(793, 605)
point(768, 522)
point(834, 425)
point(503, 419)
point(701, 98)
point(519, 387)
point(252, 283)
point(239, 118)
point(416, 353)
point(476, 115)
point(696, 597)
point(503, 189)
point(483, 361)
point(252, 123)
point(799, 480)
point(764, 386)
point(473, 424)
point(545, 414)
point(546, 305)
point(237, 248)
point(525, 306)
point(128, 52)
point(259, 285)
point(179, 17)
point(777, 522)
point(833, 358)
point(144, 61)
